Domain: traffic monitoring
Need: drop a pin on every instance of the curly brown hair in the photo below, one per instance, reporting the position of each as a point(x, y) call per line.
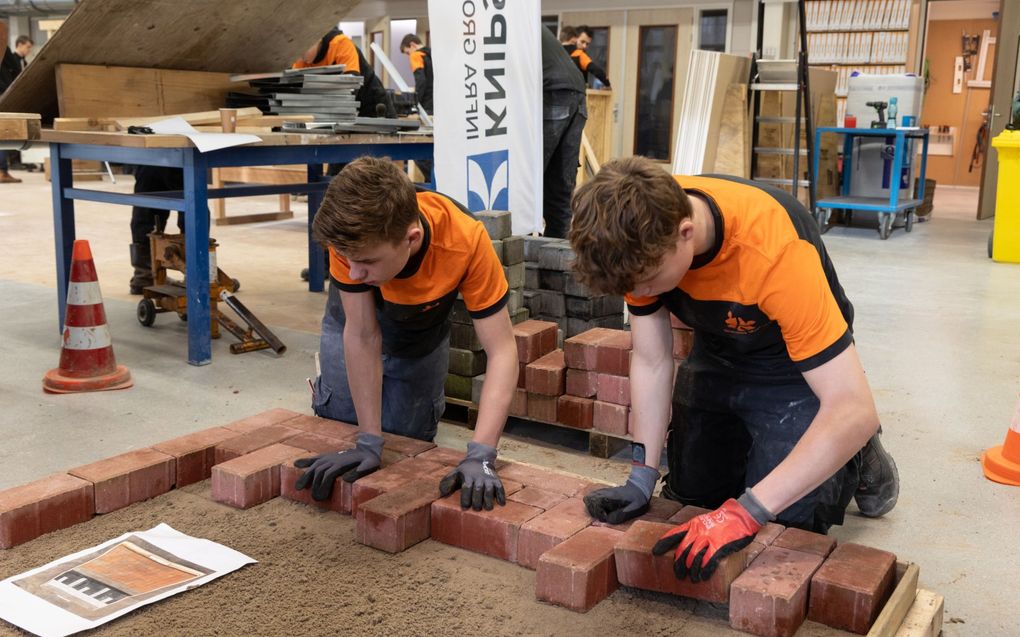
point(625, 220)
point(369, 202)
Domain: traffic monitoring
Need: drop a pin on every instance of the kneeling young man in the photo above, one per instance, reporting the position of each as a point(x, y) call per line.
point(771, 414)
point(398, 258)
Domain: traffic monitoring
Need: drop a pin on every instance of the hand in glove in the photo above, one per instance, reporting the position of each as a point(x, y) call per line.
point(701, 542)
point(476, 478)
point(351, 464)
point(616, 505)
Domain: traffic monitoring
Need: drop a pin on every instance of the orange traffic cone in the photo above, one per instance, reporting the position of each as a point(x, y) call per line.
point(87, 362)
point(1002, 464)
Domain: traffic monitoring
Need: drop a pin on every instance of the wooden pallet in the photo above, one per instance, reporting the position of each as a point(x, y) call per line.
point(910, 611)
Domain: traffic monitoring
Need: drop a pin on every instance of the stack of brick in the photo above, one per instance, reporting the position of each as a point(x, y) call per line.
point(553, 293)
point(535, 341)
point(467, 356)
point(598, 379)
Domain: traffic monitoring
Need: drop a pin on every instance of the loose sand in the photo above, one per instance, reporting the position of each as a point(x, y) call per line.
point(313, 579)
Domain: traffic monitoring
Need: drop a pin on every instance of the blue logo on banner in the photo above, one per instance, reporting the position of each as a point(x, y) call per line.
point(488, 181)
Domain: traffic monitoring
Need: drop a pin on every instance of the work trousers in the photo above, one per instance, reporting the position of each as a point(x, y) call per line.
point(413, 396)
point(726, 435)
point(146, 220)
point(564, 114)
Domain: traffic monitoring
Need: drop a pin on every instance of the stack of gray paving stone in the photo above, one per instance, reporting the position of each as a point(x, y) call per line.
point(553, 293)
point(467, 356)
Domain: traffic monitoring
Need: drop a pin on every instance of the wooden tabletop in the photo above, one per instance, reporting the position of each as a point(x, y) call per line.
point(127, 140)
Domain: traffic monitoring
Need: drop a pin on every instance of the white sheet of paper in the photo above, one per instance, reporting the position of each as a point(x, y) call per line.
point(36, 615)
point(205, 142)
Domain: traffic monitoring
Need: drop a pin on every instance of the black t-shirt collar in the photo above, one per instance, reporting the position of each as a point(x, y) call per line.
point(703, 259)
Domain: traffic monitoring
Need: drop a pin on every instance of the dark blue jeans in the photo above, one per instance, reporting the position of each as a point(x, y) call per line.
point(727, 435)
point(413, 396)
point(564, 114)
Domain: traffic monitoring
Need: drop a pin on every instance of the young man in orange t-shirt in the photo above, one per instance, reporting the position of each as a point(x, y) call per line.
point(399, 257)
point(771, 415)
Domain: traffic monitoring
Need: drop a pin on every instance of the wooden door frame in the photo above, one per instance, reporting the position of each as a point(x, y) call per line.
point(1000, 102)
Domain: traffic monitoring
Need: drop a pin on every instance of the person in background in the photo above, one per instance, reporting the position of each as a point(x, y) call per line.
point(579, 54)
point(10, 67)
point(23, 48)
point(337, 48)
point(420, 57)
point(564, 113)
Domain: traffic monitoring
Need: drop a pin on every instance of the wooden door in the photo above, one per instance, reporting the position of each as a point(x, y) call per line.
point(1005, 83)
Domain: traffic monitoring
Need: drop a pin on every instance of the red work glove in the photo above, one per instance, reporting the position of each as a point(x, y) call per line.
point(701, 542)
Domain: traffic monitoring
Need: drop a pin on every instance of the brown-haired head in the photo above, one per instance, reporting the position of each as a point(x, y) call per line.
point(625, 220)
point(408, 40)
point(369, 202)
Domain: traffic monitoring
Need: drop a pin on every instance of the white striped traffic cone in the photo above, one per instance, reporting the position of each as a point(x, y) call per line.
point(87, 362)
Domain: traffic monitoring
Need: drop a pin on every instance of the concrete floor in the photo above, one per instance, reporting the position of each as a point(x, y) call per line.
point(934, 327)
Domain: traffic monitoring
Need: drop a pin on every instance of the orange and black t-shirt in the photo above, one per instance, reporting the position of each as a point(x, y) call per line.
point(456, 256)
point(764, 301)
point(341, 50)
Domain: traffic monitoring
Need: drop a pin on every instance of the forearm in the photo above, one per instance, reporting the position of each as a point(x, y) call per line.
point(497, 392)
point(363, 353)
point(651, 387)
point(834, 436)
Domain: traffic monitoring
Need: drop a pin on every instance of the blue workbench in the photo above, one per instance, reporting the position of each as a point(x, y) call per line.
point(886, 207)
point(178, 152)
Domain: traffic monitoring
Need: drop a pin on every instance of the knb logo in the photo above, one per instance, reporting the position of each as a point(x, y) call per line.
point(488, 181)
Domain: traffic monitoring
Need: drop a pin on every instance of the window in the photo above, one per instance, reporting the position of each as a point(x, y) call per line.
point(598, 50)
point(653, 118)
point(712, 30)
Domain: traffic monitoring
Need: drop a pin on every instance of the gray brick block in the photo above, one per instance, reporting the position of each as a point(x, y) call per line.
point(577, 326)
point(464, 337)
point(556, 256)
point(458, 387)
point(560, 321)
point(522, 315)
point(497, 245)
point(606, 305)
point(573, 287)
point(551, 280)
point(533, 301)
point(476, 388)
point(459, 313)
point(514, 275)
point(464, 362)
point(496, 222)
point(516, 300)
point(531, 275)
point(513, 250)
point(553, 303)
point(532, 245)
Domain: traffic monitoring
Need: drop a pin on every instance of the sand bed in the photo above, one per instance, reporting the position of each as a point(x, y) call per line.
point(313, 579)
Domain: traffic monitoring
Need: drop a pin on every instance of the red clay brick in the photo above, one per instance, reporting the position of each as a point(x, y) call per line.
point(582, 383)
point(317, 445)
point(43, 506)
point(637, 566)
point(253, 478)
point(399, 519)
point(519, 403)
point(537, 497)
point(406, 446)
point(614, 389)
point(851, 587)
point(493, 533)
point(534, 339)
point(128, 478)
point(659, 510)
point(340, 497)
point(580, 351)
point(610, 418)
point(682, 342)
point(768, 534)
point(195, 453)
point(542, 408)
point(753, 550)
point(522, 375)
point(545, 531)
point(324, 427)
point(579, 572)
point(574, 411)
point(393, 477)
point(687, 513)
point(805, 542)
point(532, 476)
point(770, 598)
point(265, 419)
point(612, 354)
point(443, 455)
point(253, 441)
point(547, 375)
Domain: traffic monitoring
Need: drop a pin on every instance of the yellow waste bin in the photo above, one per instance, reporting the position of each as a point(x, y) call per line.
point(1006, 232)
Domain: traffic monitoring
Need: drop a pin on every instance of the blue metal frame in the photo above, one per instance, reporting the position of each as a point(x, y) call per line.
point(849, 134)
point(193, 202)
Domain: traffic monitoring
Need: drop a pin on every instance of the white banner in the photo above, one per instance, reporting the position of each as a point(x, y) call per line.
point(487, 57)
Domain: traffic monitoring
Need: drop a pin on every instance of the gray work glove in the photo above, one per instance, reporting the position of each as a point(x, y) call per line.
point(616, 505)
point(476, 478)
point(363, 459)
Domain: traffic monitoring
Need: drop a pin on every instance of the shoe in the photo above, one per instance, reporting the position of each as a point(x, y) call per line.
point(879, 485)
point(7, 178)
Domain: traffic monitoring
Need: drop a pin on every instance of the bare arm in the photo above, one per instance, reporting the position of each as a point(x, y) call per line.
point(363, 352)
point(651, 381)
point(496, 335)
point(845, 421)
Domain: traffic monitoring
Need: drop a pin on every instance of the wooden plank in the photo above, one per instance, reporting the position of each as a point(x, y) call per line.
point(924, 619)
point(203, 118)
point(195, 36)
point(734, 155)
point(177, 141)
point(19, 126)
point(899, 602)
point(254, 217)
point(599, 127)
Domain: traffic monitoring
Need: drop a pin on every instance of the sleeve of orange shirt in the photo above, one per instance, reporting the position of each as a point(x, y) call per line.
point(343, 51)
point(484, 287)
point(417, 60)
point(581, 59)
point(642, 305)
point(797, 295)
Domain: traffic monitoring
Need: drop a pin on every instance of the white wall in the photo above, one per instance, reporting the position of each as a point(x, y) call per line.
point(962, 9)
